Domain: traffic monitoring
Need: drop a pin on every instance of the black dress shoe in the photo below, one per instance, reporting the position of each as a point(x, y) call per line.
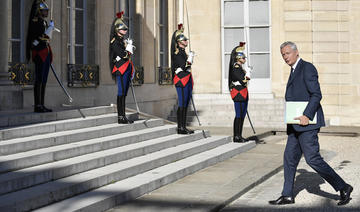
point(283, 200)
point(345, 195)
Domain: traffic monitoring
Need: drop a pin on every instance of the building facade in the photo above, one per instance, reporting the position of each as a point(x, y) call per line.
point(326, 32)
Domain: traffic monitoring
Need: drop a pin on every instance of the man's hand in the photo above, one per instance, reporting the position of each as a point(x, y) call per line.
point(303, 120)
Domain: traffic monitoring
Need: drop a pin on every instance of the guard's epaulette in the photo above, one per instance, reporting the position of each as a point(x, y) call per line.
point(112, 41)
point(35, 19)
point(176, 51)
point(237, 65)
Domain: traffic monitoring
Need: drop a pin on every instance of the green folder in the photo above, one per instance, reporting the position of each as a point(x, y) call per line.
point(296, 109)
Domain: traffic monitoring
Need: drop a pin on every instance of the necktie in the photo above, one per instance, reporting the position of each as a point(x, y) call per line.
point(292, 72)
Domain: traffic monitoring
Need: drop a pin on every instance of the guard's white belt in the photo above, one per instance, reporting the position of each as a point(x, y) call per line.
point(236, 83)
point(178, 70)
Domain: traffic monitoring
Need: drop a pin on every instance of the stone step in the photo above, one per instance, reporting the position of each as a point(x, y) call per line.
point(46, 155)
point(14, 181)
point(116, 193)
point(61, 125)
point(60, 189)
point(16, 118)
point(18, 145)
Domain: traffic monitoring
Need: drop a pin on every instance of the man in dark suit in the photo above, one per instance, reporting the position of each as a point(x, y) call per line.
point(303, 85)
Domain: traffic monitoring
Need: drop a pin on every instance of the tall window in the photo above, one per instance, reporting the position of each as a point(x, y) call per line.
point(77, 39)
point(16, 32)
point(249, 21)
point(163, 33)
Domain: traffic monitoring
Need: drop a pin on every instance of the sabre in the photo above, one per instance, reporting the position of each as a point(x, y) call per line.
point(64, 89)
point(250, 67)
point(188, 24)
point(51, 15)
point(51, 10)
point(60, 83)
point(133, 94)
point(192, 100)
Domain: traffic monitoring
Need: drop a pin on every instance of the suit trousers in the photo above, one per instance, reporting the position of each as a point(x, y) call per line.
point(306, 143)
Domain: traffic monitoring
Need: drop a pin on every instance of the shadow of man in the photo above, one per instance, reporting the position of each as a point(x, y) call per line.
point(311, 181)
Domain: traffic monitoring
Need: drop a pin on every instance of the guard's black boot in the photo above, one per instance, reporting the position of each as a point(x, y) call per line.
point(180, 128)
point(43, 98)
point(119, 110)
point(184, 121)
point(241, 129)
point(236, 128)
point(38, 108)
point(122, 119)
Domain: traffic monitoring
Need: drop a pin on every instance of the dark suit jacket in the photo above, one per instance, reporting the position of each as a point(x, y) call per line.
point(303, 85)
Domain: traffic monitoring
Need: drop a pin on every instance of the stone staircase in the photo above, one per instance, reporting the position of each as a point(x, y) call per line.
point(61, 161)
point(218, 110)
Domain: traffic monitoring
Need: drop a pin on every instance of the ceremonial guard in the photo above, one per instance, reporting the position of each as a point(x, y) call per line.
point(181, 72)
point(121, 66)
point(239, 75)
point(38, 38)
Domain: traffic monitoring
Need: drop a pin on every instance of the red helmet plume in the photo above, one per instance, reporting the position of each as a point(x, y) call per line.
point(120, 14)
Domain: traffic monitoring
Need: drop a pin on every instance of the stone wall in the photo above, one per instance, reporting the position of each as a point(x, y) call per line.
point(326, 34)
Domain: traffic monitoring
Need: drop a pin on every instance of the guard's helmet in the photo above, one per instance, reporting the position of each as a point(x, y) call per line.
point(239, 51)
point(119, 22)
point(179, 34)
point(43, 6)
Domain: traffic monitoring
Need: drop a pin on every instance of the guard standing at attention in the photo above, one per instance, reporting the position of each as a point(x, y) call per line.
point(182, 77)
point(239, 75)
point(121, 66)
point(38, 38)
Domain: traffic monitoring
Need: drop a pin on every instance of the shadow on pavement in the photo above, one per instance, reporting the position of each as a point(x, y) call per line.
point(311, 181)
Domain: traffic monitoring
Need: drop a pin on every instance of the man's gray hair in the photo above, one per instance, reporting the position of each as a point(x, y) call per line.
point(288, 43)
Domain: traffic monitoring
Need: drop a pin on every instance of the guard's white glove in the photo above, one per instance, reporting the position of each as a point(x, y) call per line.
point(190, 58)
point(129, 46)
point(248, 70)
point(50, 29)
point(35, 42)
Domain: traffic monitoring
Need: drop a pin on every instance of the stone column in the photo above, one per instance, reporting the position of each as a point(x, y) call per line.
point(4, 50)
point(10, 96)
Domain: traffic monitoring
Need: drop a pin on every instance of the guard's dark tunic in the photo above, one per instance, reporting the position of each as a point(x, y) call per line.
point(117, 50)
point(179, 61)
point(40, 51)
point(239, 93)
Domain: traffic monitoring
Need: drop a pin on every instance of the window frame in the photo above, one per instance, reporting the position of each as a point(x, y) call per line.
point(71, 8)
point(246, 28)
point(21, 39)
point(163, 38)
